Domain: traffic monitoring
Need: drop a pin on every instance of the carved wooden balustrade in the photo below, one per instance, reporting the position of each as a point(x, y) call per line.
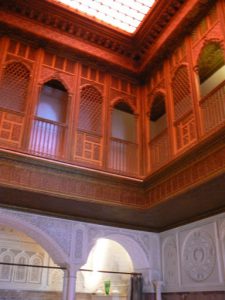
point(47, 138)
point(159, 149)
point(123, 157)
point(213, 108)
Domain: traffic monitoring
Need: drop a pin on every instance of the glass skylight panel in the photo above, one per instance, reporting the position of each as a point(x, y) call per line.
point(124, 14)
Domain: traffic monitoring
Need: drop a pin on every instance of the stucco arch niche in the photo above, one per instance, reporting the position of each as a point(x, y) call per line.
point(19, 223)
point(142, 261)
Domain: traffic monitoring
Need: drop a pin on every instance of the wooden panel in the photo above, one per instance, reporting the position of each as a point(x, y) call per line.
point(185, 131)
point(11, 129)
point(88, 147)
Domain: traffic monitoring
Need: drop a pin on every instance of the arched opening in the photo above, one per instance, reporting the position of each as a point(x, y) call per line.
point(49, 126)
point(211, 68)
point(159, 139)
point(89, 134)
point(17, 280)
point(13, 97)
point(123, 146)
point(106, 255)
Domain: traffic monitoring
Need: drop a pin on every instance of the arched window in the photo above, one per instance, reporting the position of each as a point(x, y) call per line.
point(52, 103)
point(6, 270)
point(211, 67)
point(14, 87)
point(158, 122)
point(90, 114)
point(48, 130)
point(20, 272)
point(123, 147)
point(159, 138)
point(35, 273)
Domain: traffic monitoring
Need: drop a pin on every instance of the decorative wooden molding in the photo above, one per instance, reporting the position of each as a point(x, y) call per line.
point(97, 39)
point(26, 173)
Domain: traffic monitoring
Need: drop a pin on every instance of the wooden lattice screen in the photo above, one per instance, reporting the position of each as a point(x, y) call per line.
point(14, 86)
point(90, 115)
point(181, 93)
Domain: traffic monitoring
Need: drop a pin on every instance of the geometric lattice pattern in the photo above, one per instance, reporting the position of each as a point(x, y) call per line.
point(90, 114)
point(89, 147)
point(11, 129)
point(185, 131)
point(13, 87)
point(181, 93)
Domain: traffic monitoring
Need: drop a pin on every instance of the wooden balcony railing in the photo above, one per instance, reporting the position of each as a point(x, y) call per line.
point(213, 108)
point(47, 138)
point(123, 157)
point(159, 149)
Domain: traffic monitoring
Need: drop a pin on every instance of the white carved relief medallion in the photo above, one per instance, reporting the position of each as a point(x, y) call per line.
point(198, 256)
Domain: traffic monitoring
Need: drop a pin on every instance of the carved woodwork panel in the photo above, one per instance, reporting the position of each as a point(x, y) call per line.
point(11, 129)
point(88, 148)
point(48, 73)
point(192, 174)
point(64, 184)
point(185, 131)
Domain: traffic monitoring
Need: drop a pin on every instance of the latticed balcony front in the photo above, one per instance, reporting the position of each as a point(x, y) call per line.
point(54, 107)
point(59, 109)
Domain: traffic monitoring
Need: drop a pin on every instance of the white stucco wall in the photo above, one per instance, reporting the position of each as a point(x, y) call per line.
point(69, 243)
point(193, 256)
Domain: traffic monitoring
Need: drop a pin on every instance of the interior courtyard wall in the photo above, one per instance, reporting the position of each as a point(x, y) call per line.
point(193, 256)
point(69, 243)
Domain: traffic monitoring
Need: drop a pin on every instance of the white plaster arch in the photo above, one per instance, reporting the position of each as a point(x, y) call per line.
point(41, 237)
point(137, 254)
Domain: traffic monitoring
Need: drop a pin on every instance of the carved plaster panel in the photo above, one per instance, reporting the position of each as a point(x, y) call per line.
point(198, 257)
point(80, 249)
point(170, 261)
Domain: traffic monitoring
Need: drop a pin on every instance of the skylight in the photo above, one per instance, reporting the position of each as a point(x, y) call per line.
point(123, 14)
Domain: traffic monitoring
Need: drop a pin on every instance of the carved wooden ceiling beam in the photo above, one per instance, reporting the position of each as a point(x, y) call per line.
point(131, 52)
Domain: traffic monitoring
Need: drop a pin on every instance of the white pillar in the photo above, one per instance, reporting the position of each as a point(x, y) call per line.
point(65, 285)
point(71, 282)
point(158, 289)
